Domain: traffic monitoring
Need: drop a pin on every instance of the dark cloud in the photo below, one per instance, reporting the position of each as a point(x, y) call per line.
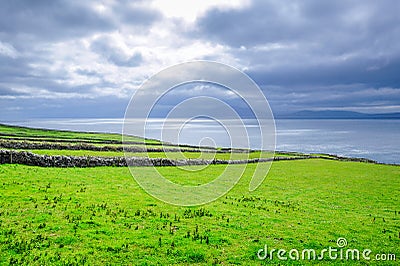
point(51, 19)
point(357, 70)
point(18, 72)
point(33, 63)
point(106, 48)
point(86, 72)
point(304, 37)
point(310, 48)
point(6, 91)
point(343, 97)
point(321, 22)
point(11, 69)
point(132, 14)
point(55, 20)
point(303, 54)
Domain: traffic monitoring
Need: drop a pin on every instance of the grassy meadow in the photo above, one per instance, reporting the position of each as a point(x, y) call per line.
point(100, 216)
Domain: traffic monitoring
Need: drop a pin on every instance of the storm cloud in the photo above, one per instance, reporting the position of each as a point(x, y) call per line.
point(66, 58)
point(310, 49)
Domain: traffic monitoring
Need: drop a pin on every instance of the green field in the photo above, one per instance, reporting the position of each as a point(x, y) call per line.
point(100, 216)
point(43, 134)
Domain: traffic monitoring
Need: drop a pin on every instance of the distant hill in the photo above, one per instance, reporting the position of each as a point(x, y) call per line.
point(330, 114)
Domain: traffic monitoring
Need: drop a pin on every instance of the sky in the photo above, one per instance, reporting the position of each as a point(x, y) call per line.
point(85, 59)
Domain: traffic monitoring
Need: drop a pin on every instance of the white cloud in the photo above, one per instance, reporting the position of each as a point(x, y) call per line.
point(7, 49)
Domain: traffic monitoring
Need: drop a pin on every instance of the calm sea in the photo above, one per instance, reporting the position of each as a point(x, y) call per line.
point(374, 139)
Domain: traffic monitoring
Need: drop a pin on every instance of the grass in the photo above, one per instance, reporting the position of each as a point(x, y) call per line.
point(98, 216)
point(24, 132)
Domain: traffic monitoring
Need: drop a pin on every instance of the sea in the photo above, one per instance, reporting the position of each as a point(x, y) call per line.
point(374, 139)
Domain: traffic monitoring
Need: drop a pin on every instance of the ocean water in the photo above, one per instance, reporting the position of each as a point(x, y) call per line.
point(373, 139)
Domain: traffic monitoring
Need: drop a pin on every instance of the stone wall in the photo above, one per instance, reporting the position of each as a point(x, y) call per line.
point(28, 158)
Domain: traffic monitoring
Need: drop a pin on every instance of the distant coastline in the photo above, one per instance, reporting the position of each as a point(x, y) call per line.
point(330, 114)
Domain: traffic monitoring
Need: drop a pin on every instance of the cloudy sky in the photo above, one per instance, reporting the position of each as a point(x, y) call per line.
point(86, 58)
